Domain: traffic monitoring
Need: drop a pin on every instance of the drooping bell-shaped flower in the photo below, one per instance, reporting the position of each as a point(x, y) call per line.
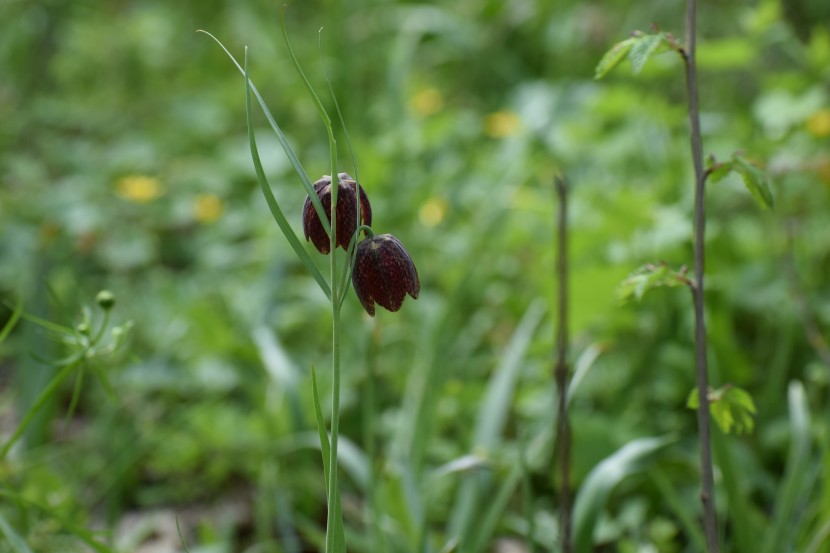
point(347, 221)
point(384, 273)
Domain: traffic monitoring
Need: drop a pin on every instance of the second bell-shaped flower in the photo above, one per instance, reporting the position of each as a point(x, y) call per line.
point(347, 223)
point(383, 273)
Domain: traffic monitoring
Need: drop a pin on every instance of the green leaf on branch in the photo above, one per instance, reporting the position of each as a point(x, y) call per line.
point(613, 57)
point(730, 407)
point(645, 46)
point(756, 180)
point(639, 48)
point(647, 278)
point(717, 171)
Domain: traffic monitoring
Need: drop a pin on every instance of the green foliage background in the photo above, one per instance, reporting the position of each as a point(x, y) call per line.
point(124, 165)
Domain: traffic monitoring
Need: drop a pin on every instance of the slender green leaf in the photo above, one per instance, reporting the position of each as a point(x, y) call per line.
point(601, 481)
point(279, 217)
point(583, 364)
point(613, 57)
point(181, 537)
point(793, 490)
point(10, 324)
point(45, 394)
point(642, 50)
point(757, 181)
point(325, 449)
point(89, 538)
point(681, 508)
point(492, 415)
point(286, 146)
point(744, 518)
point(17, 544)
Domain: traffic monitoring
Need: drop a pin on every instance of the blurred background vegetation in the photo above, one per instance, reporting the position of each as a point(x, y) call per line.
point(124, 165)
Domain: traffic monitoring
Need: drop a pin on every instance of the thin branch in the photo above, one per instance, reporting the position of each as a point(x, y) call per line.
point(563, 431)
point(707, 484)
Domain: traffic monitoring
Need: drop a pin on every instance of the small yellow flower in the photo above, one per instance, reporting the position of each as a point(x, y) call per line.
point(208, 208)
point(501, 124)
point(427, 102)
point(818, 124)
point(433, 212)
point(138, 188)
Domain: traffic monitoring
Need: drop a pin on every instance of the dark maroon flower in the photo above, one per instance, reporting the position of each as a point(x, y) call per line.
point(346, 212)
point(383, 273)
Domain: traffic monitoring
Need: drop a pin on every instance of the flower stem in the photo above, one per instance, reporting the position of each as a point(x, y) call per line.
point(707, 485)
point(333, 495)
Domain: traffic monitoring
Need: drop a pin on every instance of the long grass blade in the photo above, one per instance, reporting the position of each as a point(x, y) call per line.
point(16, 543)
point(37, 405)
point(792, 490)
point(286, 146)
point(492, 416)
point(279, 217)
point(89, 538)
point(325, 449)
point(601, 481)
point(684, 513)
point(10, 324)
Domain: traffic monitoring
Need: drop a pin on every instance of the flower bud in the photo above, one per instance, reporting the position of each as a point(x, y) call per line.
point(347, 221)
point(105, 299)
point(384, 273)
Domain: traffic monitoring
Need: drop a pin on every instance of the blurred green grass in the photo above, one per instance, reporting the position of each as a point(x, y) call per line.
point(124, 164)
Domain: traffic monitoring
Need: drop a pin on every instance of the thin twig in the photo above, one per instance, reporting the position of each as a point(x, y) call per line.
point(563, 431)
point(707, 484)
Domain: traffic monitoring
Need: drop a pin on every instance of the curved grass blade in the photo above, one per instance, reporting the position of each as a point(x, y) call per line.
point(601, 481)
point(320, 109)
point(684, 513)
point(289, 151)
point(181, 537)
point(342, 287)
point(16, 543)
point(491, 420)
point(790, 494)
point(325, 448)
point(279, 217)
point(86, 536)
point(38, 404)
point(334, 175)
point(18, 311)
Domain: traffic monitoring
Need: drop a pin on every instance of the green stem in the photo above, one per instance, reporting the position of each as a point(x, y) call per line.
point(333, 494)
point(40, 402)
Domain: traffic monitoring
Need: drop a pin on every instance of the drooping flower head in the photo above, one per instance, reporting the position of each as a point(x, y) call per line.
point(346, 212)
point(384, 273)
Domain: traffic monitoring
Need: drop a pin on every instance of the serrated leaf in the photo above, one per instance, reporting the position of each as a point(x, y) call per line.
point(647, 278)
point(643, 48)
point(719, 171)
point(613, 57)
point(730, 408)
point(756, 180)
point(693, 402)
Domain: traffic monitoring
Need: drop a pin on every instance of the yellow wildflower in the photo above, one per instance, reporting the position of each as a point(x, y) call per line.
point(433, 212)
point(427, 102)
point(138, 188)
point(208, 208)
point(818, 124)
point(501, 124)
